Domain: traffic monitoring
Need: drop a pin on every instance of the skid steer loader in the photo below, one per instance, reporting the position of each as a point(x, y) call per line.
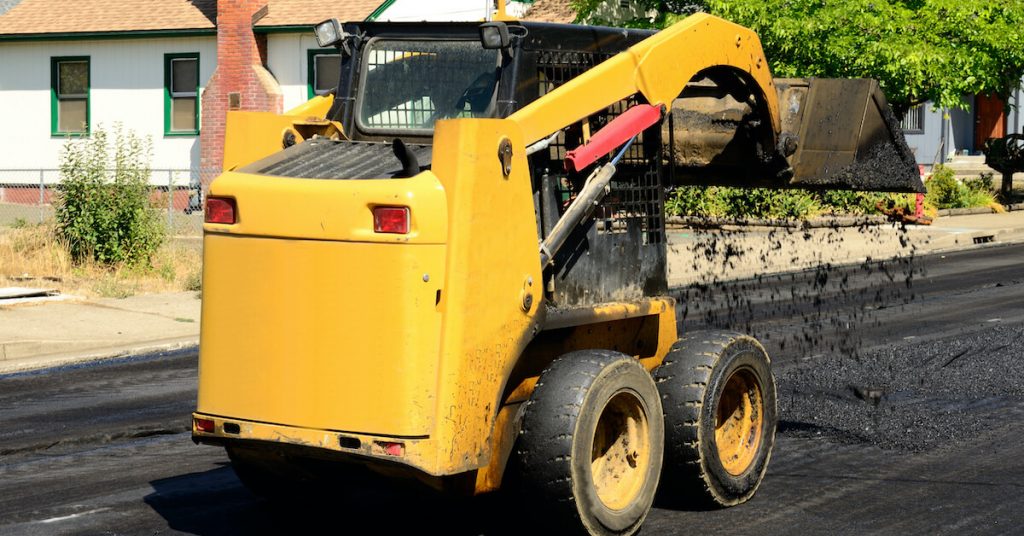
point(453, 267)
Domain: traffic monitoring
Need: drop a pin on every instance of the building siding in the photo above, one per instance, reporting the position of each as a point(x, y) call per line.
point(959, 130)
point(927, 145)
point(126, 87)
point(287, 60)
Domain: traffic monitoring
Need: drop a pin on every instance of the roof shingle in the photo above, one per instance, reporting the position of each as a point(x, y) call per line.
point(310, 12)
point(560, 11)
point(33, 17)
point(49, 16)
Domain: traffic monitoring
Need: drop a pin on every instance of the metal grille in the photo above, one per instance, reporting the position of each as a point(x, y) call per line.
point(408, 114)
point(330, 159)
point(408, 85)
point(636, 197)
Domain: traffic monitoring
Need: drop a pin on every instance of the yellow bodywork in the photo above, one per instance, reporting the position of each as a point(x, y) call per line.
point(250, 136)
point(658, 68)
point(315, 328)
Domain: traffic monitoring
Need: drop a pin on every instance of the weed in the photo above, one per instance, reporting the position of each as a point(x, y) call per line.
point(112, 286)
point(194, 281)
point(103, 209)
point(36, 252)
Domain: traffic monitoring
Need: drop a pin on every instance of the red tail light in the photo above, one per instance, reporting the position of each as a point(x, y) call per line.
point(391, 220)
point(204, 425)
point(391, 448)
point(220, 210)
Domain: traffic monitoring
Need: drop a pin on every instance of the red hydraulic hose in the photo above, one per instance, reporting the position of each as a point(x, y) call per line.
point(617, 132)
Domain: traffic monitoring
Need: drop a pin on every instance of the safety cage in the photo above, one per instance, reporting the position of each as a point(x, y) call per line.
point(620, 253)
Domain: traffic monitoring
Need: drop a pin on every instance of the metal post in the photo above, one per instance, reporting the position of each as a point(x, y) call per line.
point(170, 200)
point(42, 194)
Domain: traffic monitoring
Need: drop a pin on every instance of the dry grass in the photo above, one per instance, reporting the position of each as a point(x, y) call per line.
point(32, 256)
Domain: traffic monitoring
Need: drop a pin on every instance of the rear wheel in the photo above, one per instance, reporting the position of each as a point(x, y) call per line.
point(590, 449)
point(719, 400)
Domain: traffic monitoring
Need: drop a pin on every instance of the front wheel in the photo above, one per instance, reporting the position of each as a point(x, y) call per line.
point(719, 400)
point(590, 447)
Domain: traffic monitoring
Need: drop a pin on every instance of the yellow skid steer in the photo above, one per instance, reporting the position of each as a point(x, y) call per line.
point(452, 267)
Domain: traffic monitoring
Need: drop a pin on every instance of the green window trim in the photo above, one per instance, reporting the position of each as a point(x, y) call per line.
point(380, 10)
point(311, 55)
point(388, 3)
point(55, 62)
point(168, 109)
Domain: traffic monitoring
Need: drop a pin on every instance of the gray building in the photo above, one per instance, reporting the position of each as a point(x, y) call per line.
point(937, 135)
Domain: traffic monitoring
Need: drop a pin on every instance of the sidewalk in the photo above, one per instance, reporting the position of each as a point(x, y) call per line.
point(46, 334)
point(59, 332)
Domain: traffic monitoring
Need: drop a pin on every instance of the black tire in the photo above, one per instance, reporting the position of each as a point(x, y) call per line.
point(696, 372)
point(593, 412)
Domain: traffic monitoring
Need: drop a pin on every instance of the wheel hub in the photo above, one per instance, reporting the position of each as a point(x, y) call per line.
point(621, 451)
point(738, 422)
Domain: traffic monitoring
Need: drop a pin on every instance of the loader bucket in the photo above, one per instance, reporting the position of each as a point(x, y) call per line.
point(837, 134)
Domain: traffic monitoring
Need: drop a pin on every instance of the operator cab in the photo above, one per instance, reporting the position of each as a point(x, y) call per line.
point(398, 79)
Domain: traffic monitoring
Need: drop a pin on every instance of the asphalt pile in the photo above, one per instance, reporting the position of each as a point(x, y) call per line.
point(912, 396)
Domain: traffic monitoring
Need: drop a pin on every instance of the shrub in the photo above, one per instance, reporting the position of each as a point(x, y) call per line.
point(717, 201)
point(944, 191)
point(693, 201)
point(103, 210)
point(981, 184)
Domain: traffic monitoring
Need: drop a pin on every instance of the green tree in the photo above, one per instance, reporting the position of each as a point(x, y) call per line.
point(103, 209)
point(918, 50)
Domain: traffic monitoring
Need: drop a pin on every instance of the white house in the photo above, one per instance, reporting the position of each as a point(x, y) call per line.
point(164, 69)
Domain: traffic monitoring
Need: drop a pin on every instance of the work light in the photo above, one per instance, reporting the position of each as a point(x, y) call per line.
point(494, 35)
point(329, 33)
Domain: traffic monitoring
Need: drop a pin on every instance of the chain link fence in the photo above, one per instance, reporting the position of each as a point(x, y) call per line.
point(27, 197)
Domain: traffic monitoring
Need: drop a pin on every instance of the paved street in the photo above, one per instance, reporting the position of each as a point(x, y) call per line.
point(105, 449)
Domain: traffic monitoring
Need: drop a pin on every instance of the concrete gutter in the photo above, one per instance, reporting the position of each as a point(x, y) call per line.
point(34, 362)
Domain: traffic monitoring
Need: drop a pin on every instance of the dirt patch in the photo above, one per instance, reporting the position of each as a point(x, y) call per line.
point(32, 257)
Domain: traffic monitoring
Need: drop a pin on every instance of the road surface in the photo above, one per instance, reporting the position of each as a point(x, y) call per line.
point(901, 396)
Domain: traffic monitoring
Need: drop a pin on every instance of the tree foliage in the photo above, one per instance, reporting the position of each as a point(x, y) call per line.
point(918, 50)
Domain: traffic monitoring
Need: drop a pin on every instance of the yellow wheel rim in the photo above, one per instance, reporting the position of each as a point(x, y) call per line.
point(738, 422)
point(622, 451)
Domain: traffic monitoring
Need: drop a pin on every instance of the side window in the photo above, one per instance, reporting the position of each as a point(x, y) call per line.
point(181, 94)
point(913, 122)
point(69, 83)
point(324, 70)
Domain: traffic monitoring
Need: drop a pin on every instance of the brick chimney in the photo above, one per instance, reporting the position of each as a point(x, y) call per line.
point(240, 82)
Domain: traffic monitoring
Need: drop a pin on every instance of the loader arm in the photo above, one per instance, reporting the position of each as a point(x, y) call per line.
point(658, 68)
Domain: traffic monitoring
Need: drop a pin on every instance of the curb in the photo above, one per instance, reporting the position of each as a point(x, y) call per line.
point(816, 223)
point(969, 211)
point(835, 221)
point(27, 364)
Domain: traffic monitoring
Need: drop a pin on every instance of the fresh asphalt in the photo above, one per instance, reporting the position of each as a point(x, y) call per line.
point(901, 397)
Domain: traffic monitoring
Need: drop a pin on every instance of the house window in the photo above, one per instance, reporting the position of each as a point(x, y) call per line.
point(324, 70)
point(69, 82)
point(181, 94)
point(913, 122)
